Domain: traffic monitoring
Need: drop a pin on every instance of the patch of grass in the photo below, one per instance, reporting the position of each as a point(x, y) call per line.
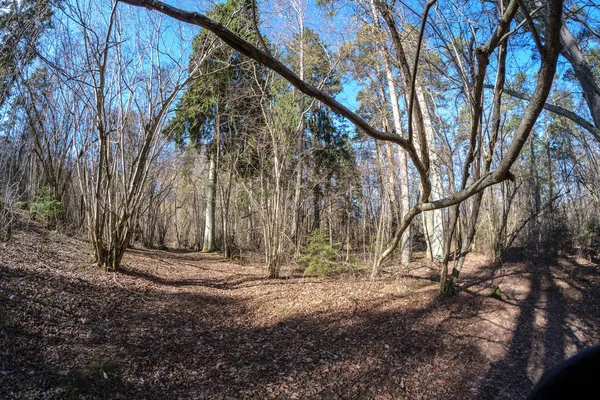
point(496, 292)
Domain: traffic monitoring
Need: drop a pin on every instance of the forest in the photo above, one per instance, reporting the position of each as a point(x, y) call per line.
point(297, 199)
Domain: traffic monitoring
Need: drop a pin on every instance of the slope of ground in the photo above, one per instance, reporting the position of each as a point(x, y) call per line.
point(193, 326)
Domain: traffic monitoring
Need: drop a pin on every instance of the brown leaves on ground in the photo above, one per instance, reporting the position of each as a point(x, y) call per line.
point(194, 326)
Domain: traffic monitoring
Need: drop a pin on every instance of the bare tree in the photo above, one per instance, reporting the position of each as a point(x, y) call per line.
point(116, 151)
point(417, 149)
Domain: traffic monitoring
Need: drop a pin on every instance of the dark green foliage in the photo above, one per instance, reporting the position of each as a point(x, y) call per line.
point(560, 236)
point(21, 25)
point(46, 207)
point(332, 145)
point(319, 258)
point(318, 70)
point(223, 92)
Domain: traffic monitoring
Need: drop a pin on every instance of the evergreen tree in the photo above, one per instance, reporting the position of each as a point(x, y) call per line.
point(21, 26)
point(220, 99)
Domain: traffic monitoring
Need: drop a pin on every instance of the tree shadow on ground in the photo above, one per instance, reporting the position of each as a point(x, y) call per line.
point(230, 280)
point(159, 345)
point(543, 334)
point(225, 283)
point(65, 336)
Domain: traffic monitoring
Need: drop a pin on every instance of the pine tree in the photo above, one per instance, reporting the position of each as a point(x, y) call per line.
point(21, 25)
point(220, 96)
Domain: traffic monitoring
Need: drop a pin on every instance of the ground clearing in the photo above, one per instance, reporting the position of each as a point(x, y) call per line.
point(193, 326)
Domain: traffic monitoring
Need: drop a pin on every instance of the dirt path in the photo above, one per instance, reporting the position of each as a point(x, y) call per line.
point(190, 325)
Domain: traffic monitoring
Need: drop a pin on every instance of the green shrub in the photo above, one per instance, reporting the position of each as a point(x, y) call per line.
point(46, 207)
point(318, 257)
point(496, 292)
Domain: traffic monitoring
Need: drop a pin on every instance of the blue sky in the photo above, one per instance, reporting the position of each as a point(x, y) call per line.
point(279, 21)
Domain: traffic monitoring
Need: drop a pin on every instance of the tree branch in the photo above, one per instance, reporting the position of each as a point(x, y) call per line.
point(255, 23)
point(413, 78)
point(585, 124)
point(272, 63)
point(534, 32)
point(545, 78)
point(421, 164)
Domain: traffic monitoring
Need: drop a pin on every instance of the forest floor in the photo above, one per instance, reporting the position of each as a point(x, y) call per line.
point(194, 326)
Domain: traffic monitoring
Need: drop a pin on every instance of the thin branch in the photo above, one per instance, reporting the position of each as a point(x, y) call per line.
point(584, 23)
point(413, 82)
point(272, 63)
point(520, 25)
point(255, 24)
point(585, 124)
point(534, 32)
point(421, 164)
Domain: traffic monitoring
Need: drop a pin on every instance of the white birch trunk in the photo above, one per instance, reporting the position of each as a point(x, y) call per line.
point(433, 221)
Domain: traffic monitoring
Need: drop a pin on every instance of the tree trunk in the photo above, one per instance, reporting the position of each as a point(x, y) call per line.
point(583, 71)
point(448, 283)
point(226, 200)
point(211, 197)
point(405, 242)
point(433, 221)
point(300, 148)
point(316, 207)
